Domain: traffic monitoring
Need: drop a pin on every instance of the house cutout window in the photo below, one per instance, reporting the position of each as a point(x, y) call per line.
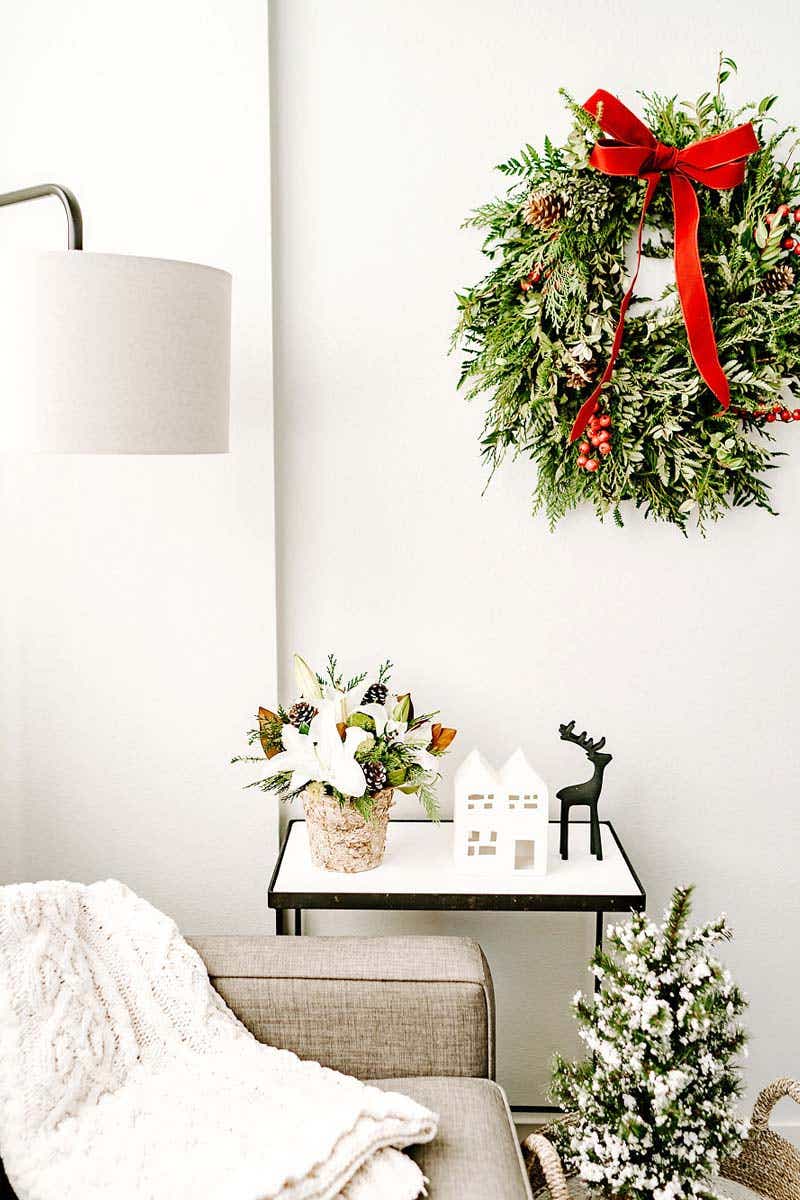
point(531, 801)
point(471, 799)
point(523, 854)
point(481, 843)
point(513, 801)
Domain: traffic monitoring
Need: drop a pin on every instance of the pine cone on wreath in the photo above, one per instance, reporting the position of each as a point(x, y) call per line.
point(543, 211)
point(778, 279)
point(375, 775)
point(376, 693)
point(301, 713)
point(583, 371)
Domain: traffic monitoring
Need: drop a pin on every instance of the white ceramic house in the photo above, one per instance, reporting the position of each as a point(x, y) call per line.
point(500, 818)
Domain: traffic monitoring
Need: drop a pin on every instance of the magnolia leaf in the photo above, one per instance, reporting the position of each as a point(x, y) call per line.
point(396, 777)
point(307, 683)
point(404, 709)
point(361, 720)
point(342, 729)
point(265, 719)
point(441, 738)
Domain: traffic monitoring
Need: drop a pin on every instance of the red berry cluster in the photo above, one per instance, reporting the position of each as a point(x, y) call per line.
point(599, 434)
point(533, 277)
point(791, 216)
point(776, 412)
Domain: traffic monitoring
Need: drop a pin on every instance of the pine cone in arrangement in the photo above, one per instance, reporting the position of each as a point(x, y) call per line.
point(376, 693)
point(778, 279)
point(543, 211)
point(301, 713)
point(375, 775)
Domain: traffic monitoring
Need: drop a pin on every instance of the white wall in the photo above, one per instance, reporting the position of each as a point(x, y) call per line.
point(387, 120)
point(138, 593)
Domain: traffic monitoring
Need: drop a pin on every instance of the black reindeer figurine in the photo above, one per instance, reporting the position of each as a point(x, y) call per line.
point(583, 793)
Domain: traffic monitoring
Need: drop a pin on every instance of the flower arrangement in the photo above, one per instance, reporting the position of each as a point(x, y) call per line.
point(655, 1103)
point(353, 741)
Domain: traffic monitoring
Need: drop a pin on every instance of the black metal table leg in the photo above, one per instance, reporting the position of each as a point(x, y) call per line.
point(598, 942)
point(281, 922)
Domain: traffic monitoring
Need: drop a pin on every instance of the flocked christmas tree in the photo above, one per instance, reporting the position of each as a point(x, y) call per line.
point(655, 1103)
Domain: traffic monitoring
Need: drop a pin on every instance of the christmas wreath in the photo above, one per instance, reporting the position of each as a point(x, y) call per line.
point(671, 406)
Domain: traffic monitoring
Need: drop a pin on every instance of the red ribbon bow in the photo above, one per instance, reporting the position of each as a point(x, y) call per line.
point(718, 162)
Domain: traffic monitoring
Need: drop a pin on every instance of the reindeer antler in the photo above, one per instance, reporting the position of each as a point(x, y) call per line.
point(580, 739)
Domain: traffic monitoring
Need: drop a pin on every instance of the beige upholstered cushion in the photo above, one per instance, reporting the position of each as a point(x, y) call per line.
point(475, 1155)
point(371, 1007)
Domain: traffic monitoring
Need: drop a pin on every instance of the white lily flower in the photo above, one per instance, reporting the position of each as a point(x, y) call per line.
point(426, 760)
point(321, 756)
point(382, 716)
point(417, 739)
point(339, 701)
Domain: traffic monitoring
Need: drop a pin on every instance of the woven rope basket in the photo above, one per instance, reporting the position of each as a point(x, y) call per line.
point(768, 1165)
point(340, 839)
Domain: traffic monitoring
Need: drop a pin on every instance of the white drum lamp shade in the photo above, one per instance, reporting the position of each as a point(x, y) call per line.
point(112, 354)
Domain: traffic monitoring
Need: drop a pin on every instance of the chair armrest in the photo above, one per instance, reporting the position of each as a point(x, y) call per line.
point(371, 1007)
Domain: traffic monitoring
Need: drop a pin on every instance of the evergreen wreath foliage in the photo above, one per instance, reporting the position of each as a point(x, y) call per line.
point(655, 1104)
point(534, 331)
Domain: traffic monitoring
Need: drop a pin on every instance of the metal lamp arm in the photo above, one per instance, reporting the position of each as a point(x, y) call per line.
point(71, 207)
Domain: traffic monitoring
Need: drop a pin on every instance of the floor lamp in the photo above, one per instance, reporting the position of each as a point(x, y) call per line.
point(108, 353)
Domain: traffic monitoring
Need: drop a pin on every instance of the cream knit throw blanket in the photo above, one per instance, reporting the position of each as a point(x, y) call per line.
point(123, 1075)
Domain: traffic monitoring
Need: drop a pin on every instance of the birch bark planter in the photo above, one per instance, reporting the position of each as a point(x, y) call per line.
point(340, 839)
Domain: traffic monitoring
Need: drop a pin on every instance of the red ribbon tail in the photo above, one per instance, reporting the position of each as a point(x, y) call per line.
point(692, 289)
point(590, 406)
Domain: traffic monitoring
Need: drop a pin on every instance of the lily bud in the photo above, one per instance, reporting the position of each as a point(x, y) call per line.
point(306, 681)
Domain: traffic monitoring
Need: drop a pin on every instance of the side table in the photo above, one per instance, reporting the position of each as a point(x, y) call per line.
point(419, 874)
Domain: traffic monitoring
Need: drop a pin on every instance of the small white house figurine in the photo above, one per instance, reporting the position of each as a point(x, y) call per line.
point(500, 818)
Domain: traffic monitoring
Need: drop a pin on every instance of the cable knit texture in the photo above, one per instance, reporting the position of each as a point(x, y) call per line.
point(123, 1073)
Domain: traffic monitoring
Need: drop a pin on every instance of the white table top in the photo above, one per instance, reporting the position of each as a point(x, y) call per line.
point(419, 872)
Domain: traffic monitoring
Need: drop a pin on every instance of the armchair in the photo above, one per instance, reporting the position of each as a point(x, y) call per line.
point(411, 1014)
